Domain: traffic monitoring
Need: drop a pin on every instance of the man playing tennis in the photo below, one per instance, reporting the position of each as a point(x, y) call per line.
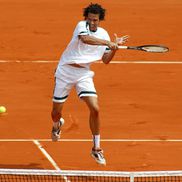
point(89, 44)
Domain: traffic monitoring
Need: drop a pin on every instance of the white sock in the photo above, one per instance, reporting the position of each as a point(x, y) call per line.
point(96, 141)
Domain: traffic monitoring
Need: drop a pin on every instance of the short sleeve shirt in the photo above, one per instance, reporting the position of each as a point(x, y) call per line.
point(81, 53)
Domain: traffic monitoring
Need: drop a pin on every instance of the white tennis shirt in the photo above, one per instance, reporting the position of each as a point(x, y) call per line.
point(81, 53)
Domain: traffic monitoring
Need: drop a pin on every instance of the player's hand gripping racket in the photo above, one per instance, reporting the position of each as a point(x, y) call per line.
point(147, 48)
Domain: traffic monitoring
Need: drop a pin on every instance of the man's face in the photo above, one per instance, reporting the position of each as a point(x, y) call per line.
point(93, 21)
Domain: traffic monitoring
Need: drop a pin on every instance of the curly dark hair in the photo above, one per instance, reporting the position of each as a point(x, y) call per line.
point(95, 9)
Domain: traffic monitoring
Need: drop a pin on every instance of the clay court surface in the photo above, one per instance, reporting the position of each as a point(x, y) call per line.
point(139, 93)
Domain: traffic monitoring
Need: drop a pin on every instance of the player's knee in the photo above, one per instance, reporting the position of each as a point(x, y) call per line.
point(95, 110)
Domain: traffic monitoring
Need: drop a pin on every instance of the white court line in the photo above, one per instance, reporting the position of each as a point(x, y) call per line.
point(40, 147)
point(51, 160)
point(99, 62)
point(90, 140)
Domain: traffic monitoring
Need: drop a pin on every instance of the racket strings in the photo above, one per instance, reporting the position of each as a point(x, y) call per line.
point(154, 48)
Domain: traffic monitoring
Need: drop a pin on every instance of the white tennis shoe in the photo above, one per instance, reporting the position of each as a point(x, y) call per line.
point(98, 155)
point(56, 132)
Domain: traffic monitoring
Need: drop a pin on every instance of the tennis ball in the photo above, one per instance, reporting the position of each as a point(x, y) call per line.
point(2, 109)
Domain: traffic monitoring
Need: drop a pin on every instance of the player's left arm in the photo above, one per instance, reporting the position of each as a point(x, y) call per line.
point(107, 57)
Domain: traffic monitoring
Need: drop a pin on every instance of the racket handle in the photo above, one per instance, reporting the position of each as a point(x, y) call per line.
point(123, 47)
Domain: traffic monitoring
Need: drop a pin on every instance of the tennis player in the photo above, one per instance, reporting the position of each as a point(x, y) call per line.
point(89, 44)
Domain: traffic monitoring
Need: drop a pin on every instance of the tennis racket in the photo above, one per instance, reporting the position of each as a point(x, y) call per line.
point(147, 48)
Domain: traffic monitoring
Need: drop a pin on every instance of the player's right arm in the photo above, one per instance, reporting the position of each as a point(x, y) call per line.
point(91, 40)
point(83, 34)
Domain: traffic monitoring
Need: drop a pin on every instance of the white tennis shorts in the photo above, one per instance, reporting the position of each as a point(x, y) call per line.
point(67, 77)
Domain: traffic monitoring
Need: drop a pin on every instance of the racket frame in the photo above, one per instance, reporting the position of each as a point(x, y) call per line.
point(166, 49)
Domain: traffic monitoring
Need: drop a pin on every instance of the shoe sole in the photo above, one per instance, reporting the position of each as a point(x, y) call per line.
point(99, 162)
point(61, 122)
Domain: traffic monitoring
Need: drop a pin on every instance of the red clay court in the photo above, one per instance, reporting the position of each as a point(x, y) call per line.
point(139, 93)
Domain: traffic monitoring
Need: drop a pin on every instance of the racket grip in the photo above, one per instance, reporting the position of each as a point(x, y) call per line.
point(123, 47)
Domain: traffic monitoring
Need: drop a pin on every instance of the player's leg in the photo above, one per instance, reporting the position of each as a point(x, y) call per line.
point(56, 113)
point(86, 91)
point(61, 92)
point(94, 120)
point(57, 119)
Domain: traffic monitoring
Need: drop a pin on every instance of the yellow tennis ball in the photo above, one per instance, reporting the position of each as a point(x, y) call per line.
point(2, 109)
